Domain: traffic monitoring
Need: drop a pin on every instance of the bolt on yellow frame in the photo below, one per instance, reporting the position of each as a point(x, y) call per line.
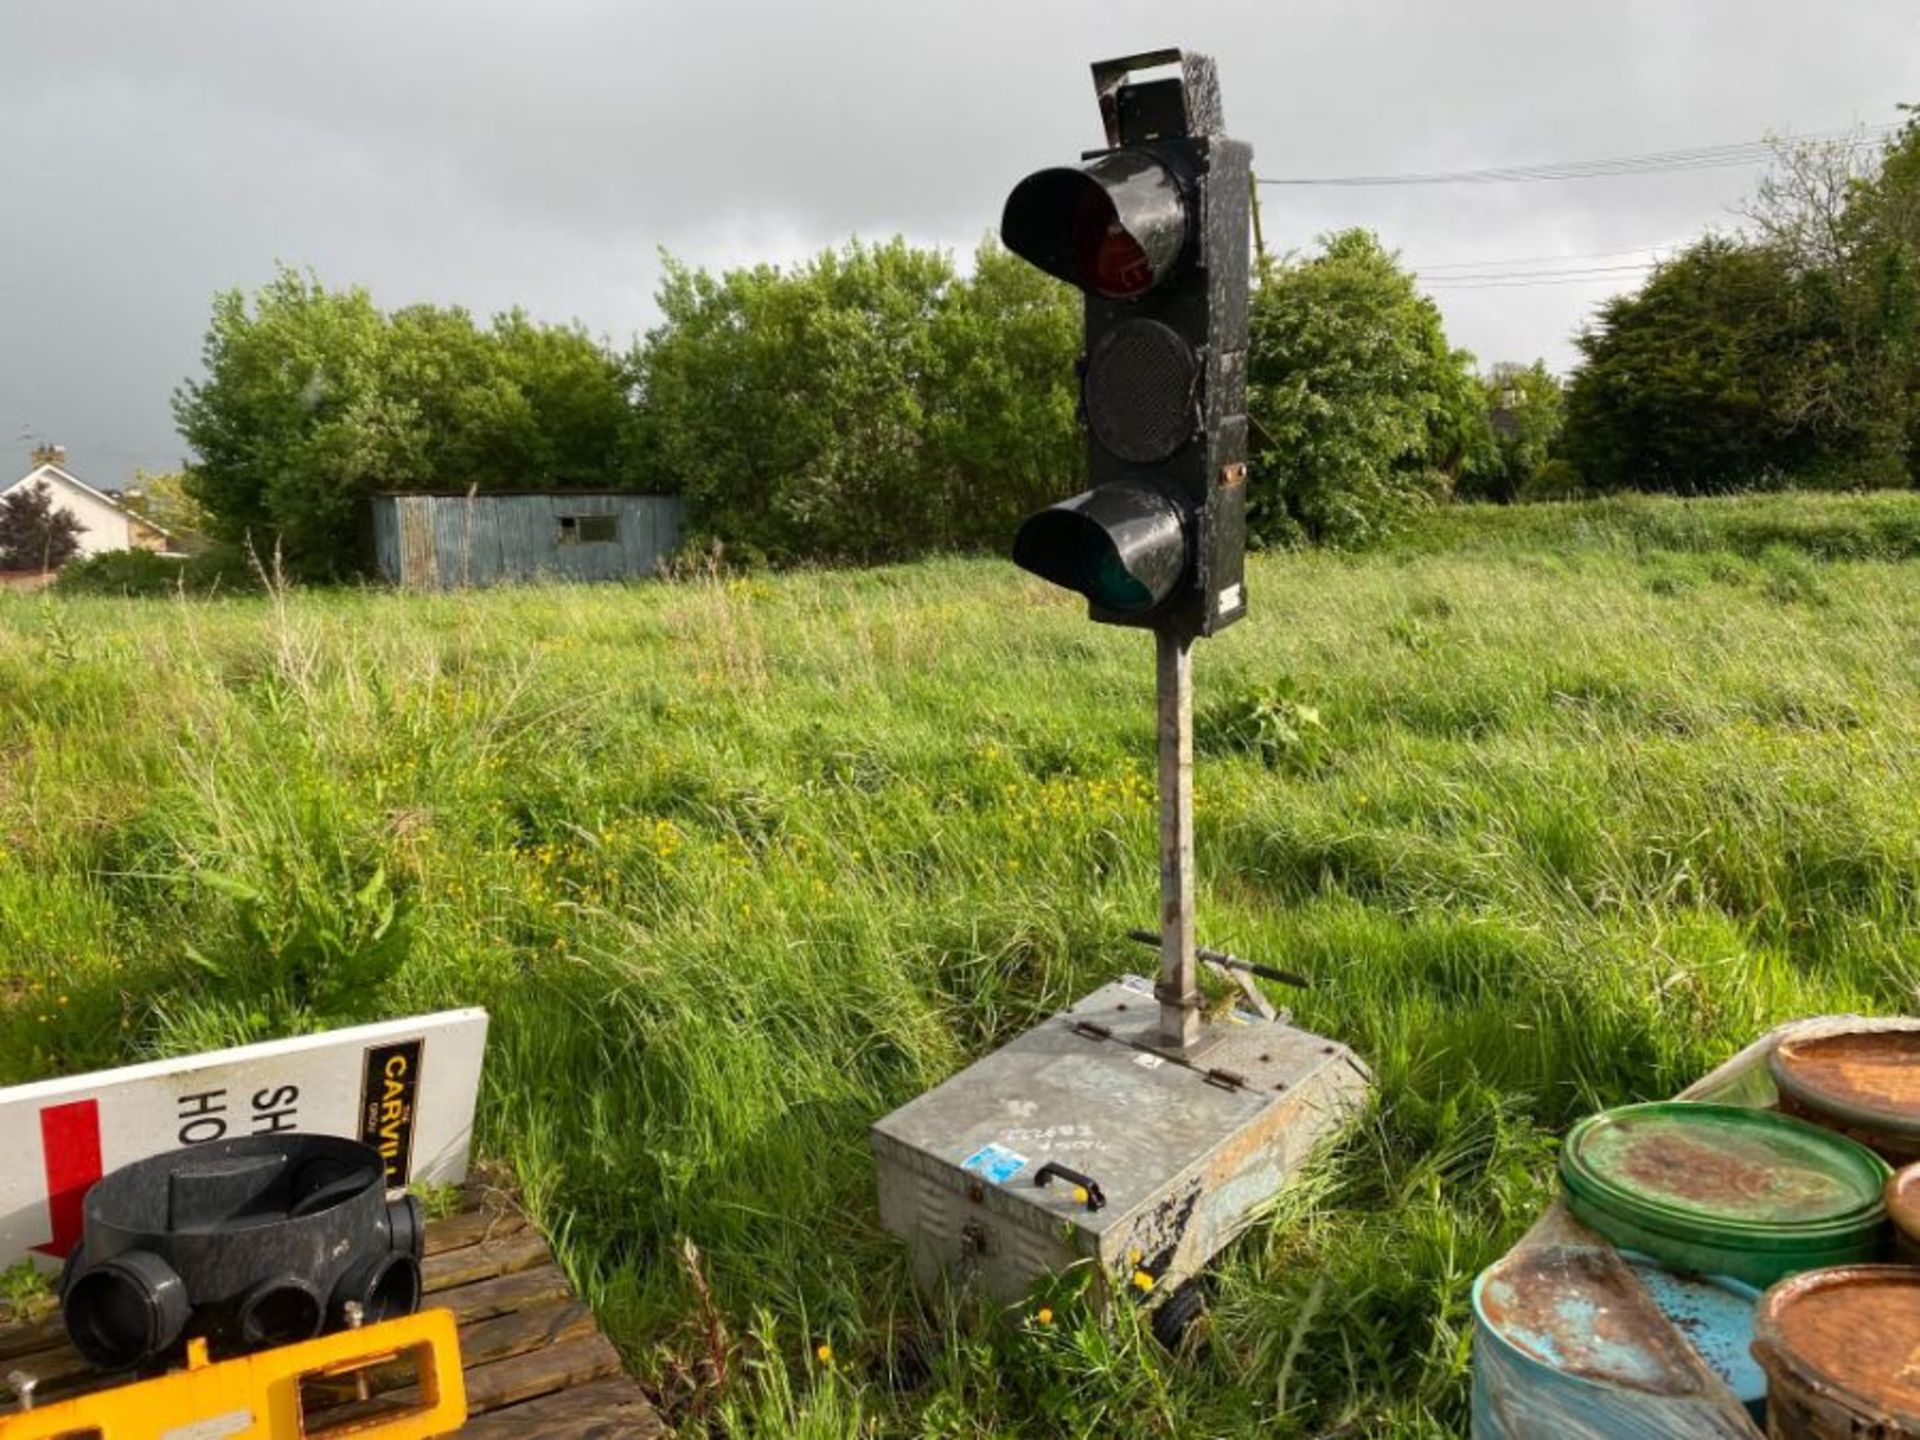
point(259, 1397)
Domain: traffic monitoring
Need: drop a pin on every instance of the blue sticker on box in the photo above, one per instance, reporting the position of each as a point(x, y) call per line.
point(995, 1162)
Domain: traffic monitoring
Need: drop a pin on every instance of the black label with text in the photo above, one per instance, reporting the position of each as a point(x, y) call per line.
point(388, 1091)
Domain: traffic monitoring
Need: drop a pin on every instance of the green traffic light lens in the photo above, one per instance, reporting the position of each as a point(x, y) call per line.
point(1111, 585)
point(1124, 547)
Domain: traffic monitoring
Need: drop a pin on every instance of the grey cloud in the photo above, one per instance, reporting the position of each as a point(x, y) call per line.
point(489, 154)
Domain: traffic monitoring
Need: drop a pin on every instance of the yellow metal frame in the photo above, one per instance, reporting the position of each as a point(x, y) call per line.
point(257, 1397)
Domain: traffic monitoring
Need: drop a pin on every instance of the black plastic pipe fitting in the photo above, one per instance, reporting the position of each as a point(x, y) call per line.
point(251, 1243)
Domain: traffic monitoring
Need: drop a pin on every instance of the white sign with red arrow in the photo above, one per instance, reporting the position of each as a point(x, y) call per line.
point(406, 1087)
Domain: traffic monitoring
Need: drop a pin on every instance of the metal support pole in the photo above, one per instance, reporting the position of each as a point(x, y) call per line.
point(1179, 989)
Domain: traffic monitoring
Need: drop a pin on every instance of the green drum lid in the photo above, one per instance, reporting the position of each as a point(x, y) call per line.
point(1725, 1170)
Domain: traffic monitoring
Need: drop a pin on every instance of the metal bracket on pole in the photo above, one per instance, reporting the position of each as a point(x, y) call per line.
point(1179, 988)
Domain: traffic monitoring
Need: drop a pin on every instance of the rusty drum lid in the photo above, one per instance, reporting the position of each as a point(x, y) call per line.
point(1708, 1170)
point(1850, 1335)
point(1864, 1078)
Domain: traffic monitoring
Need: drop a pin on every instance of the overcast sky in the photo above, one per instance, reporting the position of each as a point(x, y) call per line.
point(487, 154)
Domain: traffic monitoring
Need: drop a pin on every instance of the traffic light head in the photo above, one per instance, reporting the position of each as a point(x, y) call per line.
point(1153, 230)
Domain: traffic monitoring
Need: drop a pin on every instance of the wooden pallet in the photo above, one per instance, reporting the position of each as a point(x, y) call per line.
point(536, 1363)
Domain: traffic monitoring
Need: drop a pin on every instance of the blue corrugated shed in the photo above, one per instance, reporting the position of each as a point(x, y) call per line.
point(445, 541)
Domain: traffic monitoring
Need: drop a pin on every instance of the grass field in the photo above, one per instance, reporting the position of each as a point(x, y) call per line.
point(1557, 806)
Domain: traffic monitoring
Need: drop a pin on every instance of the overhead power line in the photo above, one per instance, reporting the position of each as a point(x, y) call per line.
point(1658, 162)
point(1573, 273)
point(1538, 280)
point(1507, 262)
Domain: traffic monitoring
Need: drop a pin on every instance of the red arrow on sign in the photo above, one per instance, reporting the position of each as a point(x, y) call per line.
point(70, 1143)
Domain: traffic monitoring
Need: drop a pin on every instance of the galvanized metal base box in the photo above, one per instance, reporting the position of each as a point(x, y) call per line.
point(1182, 1149)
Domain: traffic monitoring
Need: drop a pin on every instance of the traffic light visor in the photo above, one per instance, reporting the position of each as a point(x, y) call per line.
point(1122, 546)
point(1115, 228)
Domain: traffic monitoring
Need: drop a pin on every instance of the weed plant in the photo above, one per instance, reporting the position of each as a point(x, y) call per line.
point(1557, 807)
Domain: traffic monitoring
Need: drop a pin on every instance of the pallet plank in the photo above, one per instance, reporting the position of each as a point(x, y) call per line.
point(503, 1294)
point(540, 1372)
point(26, 1336)
point(470, 1227)
point(603, 1410)
point(496, 1317)
point(488, 1258)
point(524, 1330)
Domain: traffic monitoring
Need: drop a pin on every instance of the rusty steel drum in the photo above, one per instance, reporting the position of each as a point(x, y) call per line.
point(1903, 1208)
point(1865, 1084)
point(1725, 1190)
point(1838, 1347)
point(1571, 1338)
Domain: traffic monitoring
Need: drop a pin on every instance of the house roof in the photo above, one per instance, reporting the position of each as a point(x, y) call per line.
point(55, 473)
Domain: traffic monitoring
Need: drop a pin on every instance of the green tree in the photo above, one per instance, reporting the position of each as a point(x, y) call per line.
point(292, 426)
point(1361, 410)
point(1525, 407)
point(1788, 356)
point(1883, 226)
point(1684, 386)
point(313, 400)
point(580, 398)
point(162, 497)
point(793, 408)
point(475, 423)
point(34, 534)
point(1002, 417)
point(1844, 228)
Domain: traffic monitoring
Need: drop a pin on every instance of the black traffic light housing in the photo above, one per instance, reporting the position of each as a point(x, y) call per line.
point(1154, 230)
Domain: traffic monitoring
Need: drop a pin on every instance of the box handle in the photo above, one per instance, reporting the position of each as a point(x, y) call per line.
point(1086, 1189)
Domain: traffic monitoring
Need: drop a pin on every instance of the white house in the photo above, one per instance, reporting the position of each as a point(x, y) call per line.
point(109, 524)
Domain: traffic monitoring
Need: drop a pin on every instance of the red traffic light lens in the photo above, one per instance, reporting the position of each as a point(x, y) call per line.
point(1116, 228)
point(1106, 258)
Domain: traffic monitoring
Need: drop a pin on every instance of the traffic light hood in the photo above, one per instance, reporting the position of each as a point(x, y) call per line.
point(1124, 547)
point(1115, 227)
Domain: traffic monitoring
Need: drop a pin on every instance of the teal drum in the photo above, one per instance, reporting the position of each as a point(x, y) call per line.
point(1714, 1314)
point(1572, 1340)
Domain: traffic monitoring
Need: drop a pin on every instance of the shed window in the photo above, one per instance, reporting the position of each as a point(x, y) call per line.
point(589, 529)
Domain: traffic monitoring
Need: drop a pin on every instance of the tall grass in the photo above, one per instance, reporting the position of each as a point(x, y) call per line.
point(1555, 812)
